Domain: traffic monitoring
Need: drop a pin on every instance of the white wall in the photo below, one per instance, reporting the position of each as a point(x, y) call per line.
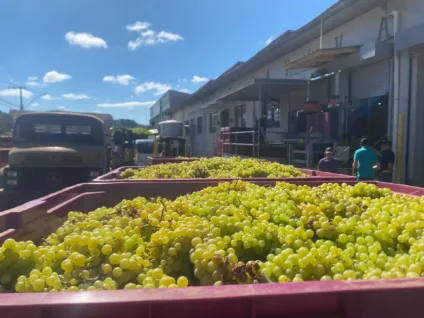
point(364, 29)
point(360, 31)
point(411, 12)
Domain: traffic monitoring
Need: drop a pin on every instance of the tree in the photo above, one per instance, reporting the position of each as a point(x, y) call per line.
point(125, 123)
point(5, 122)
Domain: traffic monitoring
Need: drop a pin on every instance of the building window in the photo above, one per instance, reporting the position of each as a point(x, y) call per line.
point(240, 116)
point(212, 122)
point(192, 127)
point(273, 114)
point(199, 124)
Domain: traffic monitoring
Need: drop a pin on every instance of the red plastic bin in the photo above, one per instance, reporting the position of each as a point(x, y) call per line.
point(383, 298)
point(113, 176)
point(160, 160)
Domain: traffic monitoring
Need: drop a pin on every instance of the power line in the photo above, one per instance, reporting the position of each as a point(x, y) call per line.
point(21, 101)
point(34, 99)
point(7, 102)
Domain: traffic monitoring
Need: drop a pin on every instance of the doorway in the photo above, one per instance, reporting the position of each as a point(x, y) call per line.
point(225, 118)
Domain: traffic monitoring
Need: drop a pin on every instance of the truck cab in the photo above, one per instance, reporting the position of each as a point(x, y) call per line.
point(144, 148)
point(52, 151)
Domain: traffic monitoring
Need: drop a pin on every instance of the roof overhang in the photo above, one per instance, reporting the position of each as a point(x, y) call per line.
point(265, 89)
point(318, 58)
point(410, 38)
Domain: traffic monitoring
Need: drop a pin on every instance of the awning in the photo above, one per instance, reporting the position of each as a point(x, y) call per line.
point(318, 58)
point(265, 89)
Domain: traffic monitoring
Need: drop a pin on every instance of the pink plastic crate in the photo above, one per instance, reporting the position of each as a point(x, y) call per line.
point(160, 160)
point(113, 176)
point(329, 299)
point(383, 298)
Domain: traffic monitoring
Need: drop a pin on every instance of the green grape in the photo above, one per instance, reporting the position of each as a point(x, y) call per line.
point(107, 249)
point(286, 232)
point(9, 244)
point(114, 259)
point(182, 281)
point(117, 272)
point(39, 285)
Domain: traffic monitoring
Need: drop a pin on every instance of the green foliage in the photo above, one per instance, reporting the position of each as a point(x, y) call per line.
point(5, 122)
point(140, 132)
point(125, 123)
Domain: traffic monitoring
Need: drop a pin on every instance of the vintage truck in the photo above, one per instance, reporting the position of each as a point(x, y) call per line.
point(52, 151)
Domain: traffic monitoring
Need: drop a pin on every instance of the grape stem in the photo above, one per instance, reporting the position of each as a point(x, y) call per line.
point(163, 211)
point(294, 203)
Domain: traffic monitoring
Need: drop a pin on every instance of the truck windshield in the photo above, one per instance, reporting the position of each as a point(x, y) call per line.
point(145, 147)
point(58, 128)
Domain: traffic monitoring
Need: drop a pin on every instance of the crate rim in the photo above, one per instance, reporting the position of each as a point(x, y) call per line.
point(208, 293)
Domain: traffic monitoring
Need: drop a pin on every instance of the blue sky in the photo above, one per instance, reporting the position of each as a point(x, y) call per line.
point(118, 57)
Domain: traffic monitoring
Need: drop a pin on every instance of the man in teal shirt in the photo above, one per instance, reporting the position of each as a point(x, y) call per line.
point(365, 161)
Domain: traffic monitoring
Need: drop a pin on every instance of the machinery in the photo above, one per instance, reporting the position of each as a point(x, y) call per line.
point(172, 139)
point(124, 150)
point(52, 151)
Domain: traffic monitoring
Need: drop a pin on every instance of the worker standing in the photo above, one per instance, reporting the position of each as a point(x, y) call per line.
point(365, 161)
point(261, 126)
point(387, 161)
point(329, 163)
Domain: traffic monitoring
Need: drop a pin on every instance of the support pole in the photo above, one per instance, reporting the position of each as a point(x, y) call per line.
point(259, 120)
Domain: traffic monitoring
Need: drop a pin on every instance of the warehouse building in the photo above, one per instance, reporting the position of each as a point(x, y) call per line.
point(160, 110)
point(360, 60)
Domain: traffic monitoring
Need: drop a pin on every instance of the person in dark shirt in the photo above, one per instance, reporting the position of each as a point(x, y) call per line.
point(261, 126)
point(387, 161)
point(329, 163)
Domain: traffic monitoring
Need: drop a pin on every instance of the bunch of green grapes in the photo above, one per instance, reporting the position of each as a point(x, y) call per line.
point(217, 167)
point(233, 233)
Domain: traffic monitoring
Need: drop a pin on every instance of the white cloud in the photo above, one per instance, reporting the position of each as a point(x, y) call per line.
point(35, 104)
point(55, 77)
point(198, 79)
point(75, 96)
point(133, 45)
point(15, 92)
point(61, 107)
point(33, 82)
point(85, 40)
point(138, 26)
point(124, 79)
point(50, 97)
point(164, 37)
point(269, 40)
point(148, 34)
point(149, 37)
point(126, 104)
point(158, 88)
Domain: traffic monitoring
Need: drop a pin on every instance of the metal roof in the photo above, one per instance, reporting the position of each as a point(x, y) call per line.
point(338, 14)
point(317, 58)
point(264, 89)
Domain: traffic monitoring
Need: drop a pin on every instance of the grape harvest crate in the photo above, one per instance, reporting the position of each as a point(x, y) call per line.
point(113, 176)
point(160, 160)
point(36, 219)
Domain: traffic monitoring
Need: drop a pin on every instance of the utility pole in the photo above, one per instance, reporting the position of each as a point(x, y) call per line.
point(21, 102)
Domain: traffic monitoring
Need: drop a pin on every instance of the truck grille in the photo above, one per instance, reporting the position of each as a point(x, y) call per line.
point(54, 159)
point(52, 179)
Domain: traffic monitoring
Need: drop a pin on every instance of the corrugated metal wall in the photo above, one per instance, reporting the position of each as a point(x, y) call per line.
point(371, 81)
